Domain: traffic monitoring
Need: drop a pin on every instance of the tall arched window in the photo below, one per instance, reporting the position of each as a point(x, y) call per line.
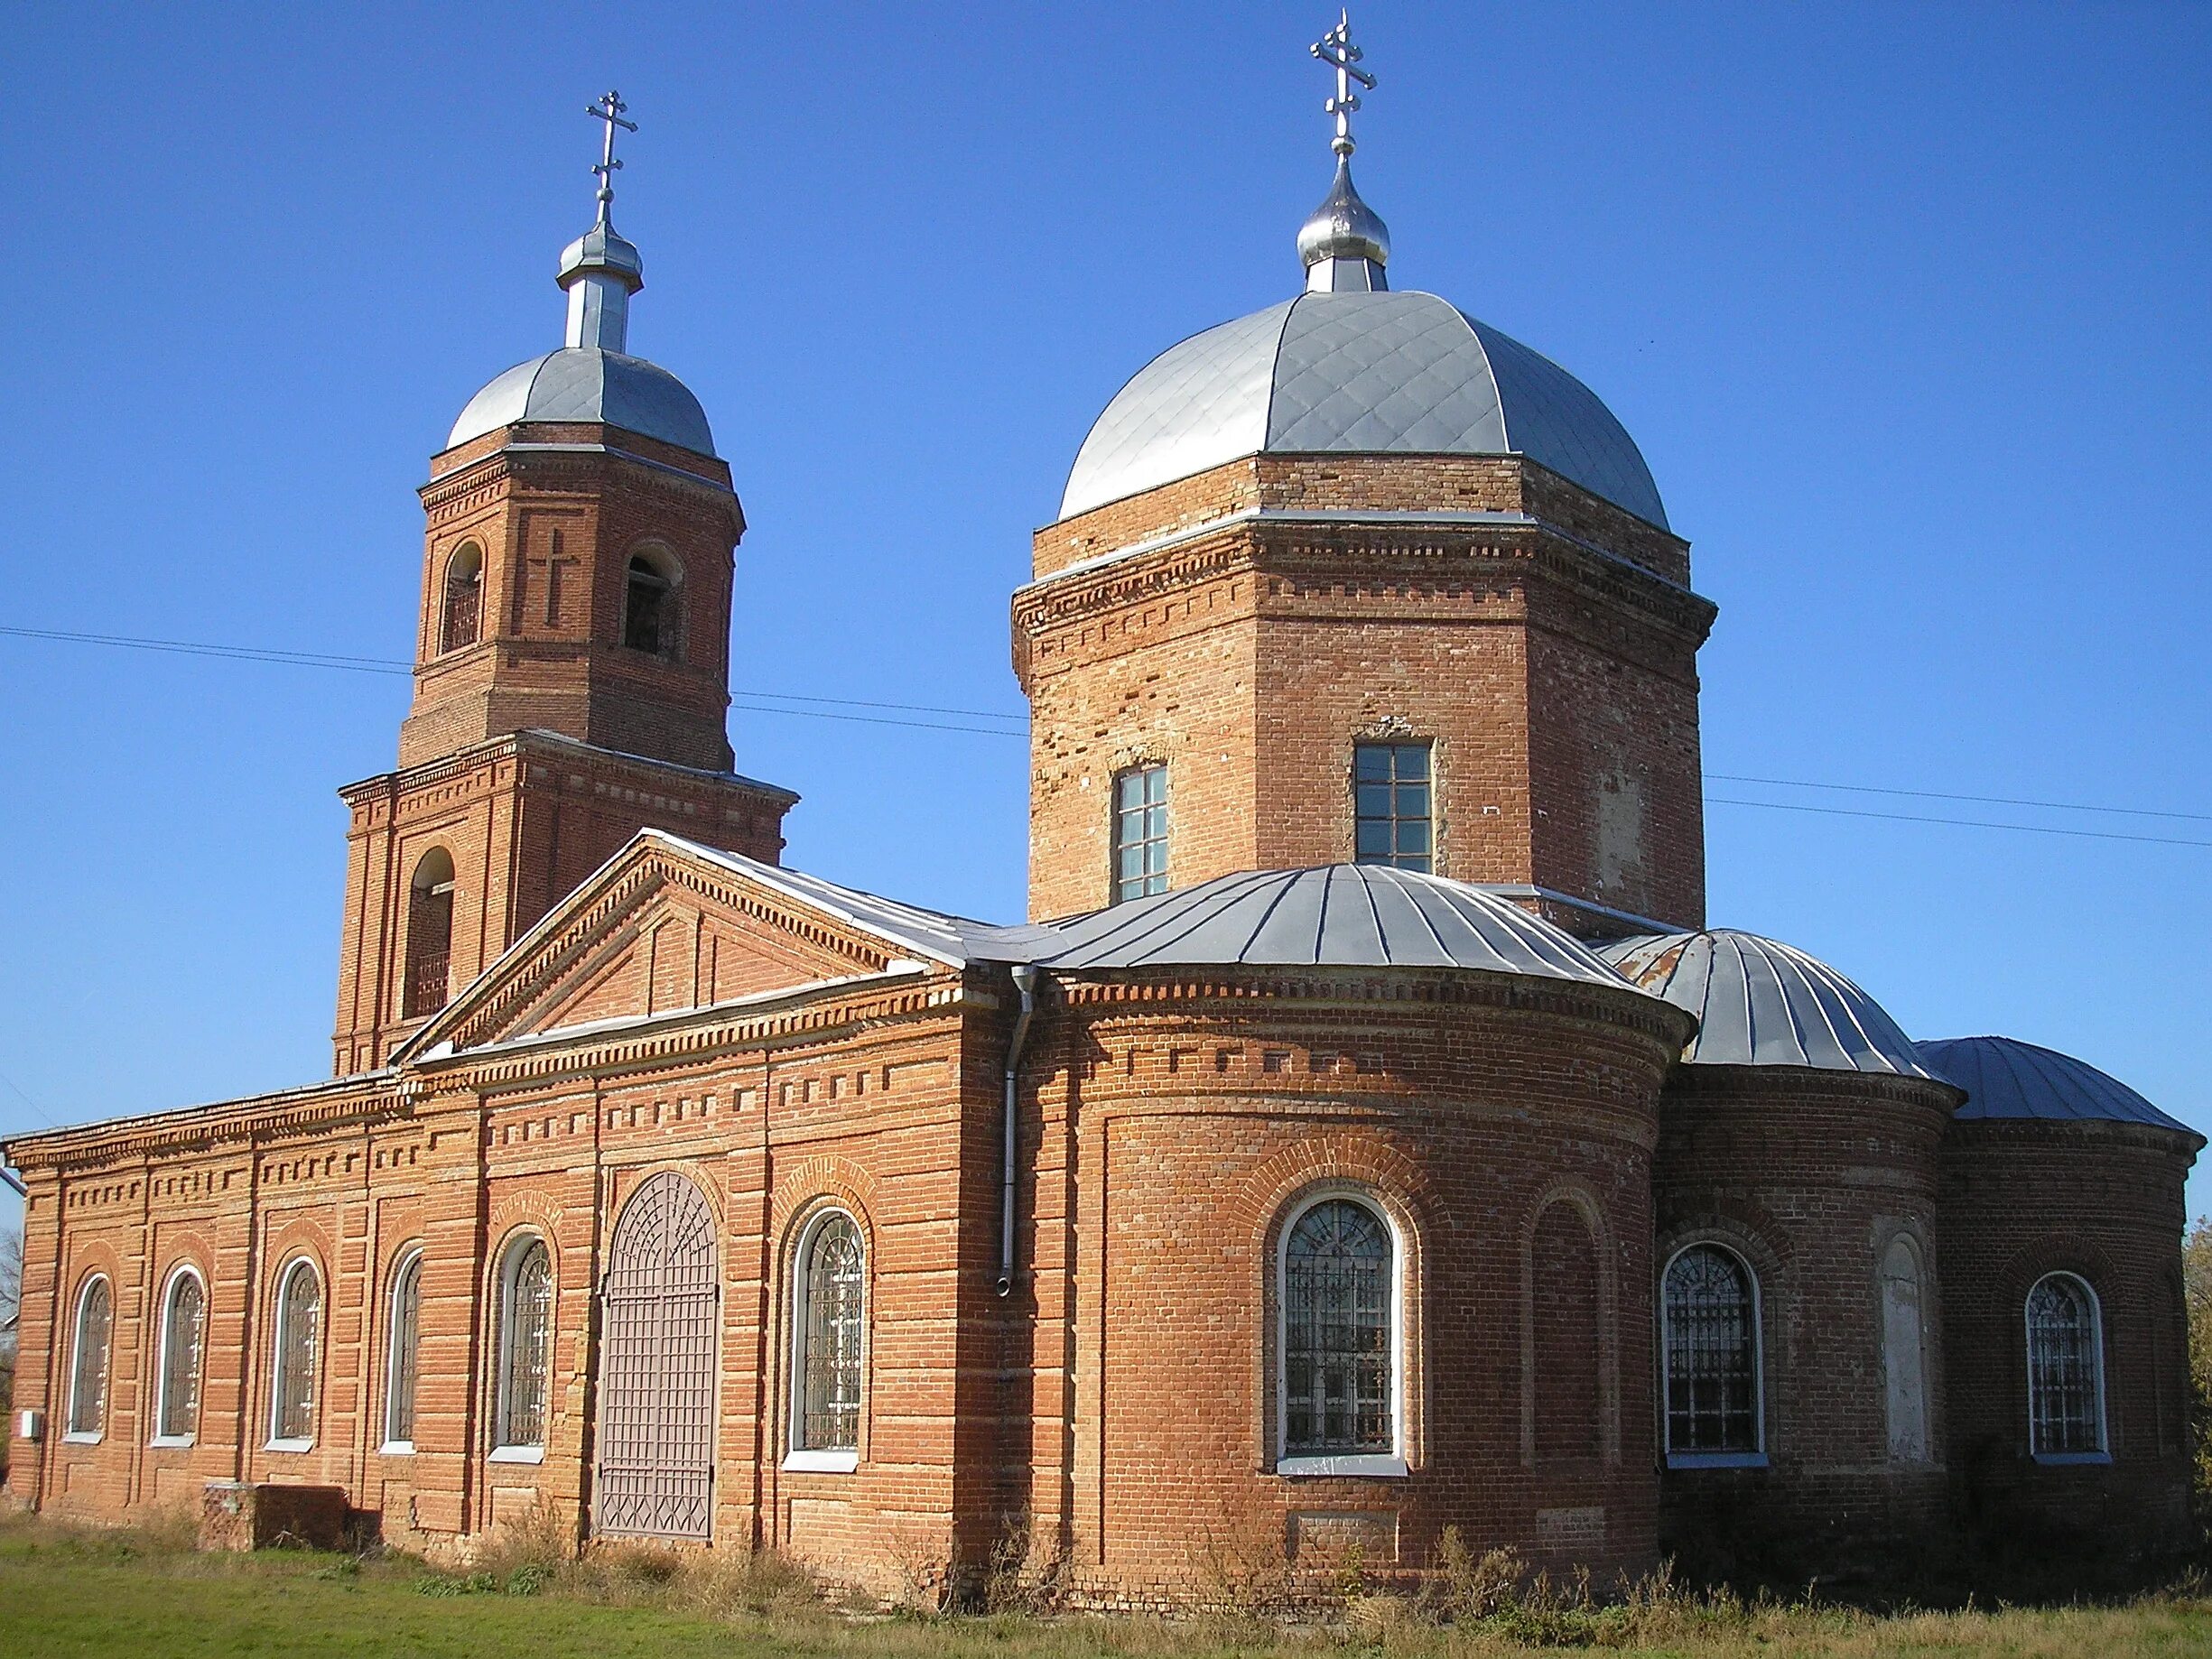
point(649, 604)
point(1904, 1351)
point(2065, 1369)
point(184, 1332)
point(828, 1330)
point(1338, 1387)
point(299, 1357)
point(1710, 1333)
point(526, 1346)
point(96, 1322)
point(430, 935)
point(461, 616)
point(403, 1321)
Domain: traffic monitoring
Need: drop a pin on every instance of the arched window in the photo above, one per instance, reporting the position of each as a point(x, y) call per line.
point(1904, 1351)
point(829, 1329)
point(299, 1355)
point(96, 1322)
point(430, 935)
point(402, 1322)
point(461, 616)
point(526, 1346)
point(1710, 1333)
point(649, 604)
point(1339, 1295)
point(2065, 1369)
point(184, 1334)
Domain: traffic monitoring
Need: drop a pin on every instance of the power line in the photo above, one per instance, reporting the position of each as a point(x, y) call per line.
point(1964, 823)
point(246, 653)
point(1930, 794)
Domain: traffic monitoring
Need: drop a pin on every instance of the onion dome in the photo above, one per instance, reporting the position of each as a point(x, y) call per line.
point(1761, 1002)
point(1339, 915)
point(1344, 244)
point(2006, 1078)
point(592, 379)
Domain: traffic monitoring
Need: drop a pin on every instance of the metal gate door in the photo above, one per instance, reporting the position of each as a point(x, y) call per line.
point(658, 1394)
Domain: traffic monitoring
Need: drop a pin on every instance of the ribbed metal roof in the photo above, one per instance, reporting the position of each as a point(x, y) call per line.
point(1340, 915)
point(586, 384)
point(1354, 373)
point(2006, 1078)
point(1761, 1002)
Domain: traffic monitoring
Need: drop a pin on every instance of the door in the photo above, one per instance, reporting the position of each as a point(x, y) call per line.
point(658, 1394)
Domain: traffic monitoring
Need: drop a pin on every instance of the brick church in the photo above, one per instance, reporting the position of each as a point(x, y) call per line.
point(1366, 1135)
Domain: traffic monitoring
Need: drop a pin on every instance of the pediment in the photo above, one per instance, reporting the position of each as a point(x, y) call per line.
point(663, 928)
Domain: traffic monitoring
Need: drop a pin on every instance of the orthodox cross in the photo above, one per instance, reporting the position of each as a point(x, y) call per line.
point(1336, 49)
point(610, 109)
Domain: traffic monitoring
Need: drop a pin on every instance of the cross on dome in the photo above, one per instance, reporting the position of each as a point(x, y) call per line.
point(1336, 49)
point(610, 109)
point(1344, 245)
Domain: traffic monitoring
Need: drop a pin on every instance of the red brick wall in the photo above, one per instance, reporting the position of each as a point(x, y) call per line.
point(2024, 1198)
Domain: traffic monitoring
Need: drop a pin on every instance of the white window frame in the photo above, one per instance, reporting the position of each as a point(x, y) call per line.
point(177, 1274)
point(407, 1264)
point(822, 1459)
point(71, 1434)
point(2103, 1454)
point(278, 1440)
point(503, 1309)
point(1388, 1465)
point(1757, 1457)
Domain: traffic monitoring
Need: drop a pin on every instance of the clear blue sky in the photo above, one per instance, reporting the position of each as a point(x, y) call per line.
point(1906, 307)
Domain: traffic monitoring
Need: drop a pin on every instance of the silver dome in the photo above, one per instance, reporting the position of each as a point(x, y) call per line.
point(1761, 1002)
point(1354, 373)
point(587, 384)
point(2006, 1078)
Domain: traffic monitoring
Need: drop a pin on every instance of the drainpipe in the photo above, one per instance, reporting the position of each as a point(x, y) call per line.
point(9, 1177)
point(1025, 982)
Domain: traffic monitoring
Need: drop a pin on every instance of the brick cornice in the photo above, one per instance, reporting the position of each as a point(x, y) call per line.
point(292, 1114)
point(555, 749)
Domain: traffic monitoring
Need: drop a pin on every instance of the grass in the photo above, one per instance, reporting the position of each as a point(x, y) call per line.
point(66, 1592)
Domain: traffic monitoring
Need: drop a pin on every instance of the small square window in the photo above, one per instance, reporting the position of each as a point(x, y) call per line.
point(1140, 833)
point(1392, 805)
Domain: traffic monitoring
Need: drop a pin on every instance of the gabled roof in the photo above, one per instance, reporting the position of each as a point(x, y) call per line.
point(1762, 1003)
point(2006, 1078)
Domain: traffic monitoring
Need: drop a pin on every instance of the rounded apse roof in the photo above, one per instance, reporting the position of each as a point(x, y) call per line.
point(1761, 1002)
point(2006, 1078)
point(1354, 373)
point(588, 384)
point(1338, 915)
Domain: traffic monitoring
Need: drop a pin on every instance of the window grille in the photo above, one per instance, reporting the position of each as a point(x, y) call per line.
point(526, 1344)
point(1336, 1332)
point(429, 936)
point(1140, 833)
point(2066, 1413)
point(184, 1324)
point(88, 1373)
point(400, 1348)
point(1393, 821)
point(830, 1330)
point(1711, 1338)
point(299, 1349)
point(649, 611)
point(464, 600)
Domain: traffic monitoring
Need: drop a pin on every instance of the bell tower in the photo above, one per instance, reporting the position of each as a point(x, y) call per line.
point(571, 658)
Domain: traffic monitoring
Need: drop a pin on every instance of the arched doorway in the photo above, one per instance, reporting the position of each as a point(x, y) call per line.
point(657, 1395)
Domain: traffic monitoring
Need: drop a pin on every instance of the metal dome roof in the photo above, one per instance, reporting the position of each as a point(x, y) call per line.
point(1339, 915)
point(1354, 373)
point(590, 383)
point(1761, 1002)
point(2006, 1078)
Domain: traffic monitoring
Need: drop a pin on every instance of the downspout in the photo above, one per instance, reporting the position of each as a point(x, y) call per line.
point(9, 1178)
point(1025, 982)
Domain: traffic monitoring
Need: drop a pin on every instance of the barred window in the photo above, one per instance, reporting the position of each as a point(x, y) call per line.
point(1140, 833)
point(184, 1329)
point(430, 935)
point(1338, 1280)
point(650, 605)
point(1393, 817)
point(399, 1368)
point(1711, 1335)
point(526, 1343)
point(96, 1319)
point(2065, 1370)
point(464, 599)
point(299, 1353)
point(830, 1328)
